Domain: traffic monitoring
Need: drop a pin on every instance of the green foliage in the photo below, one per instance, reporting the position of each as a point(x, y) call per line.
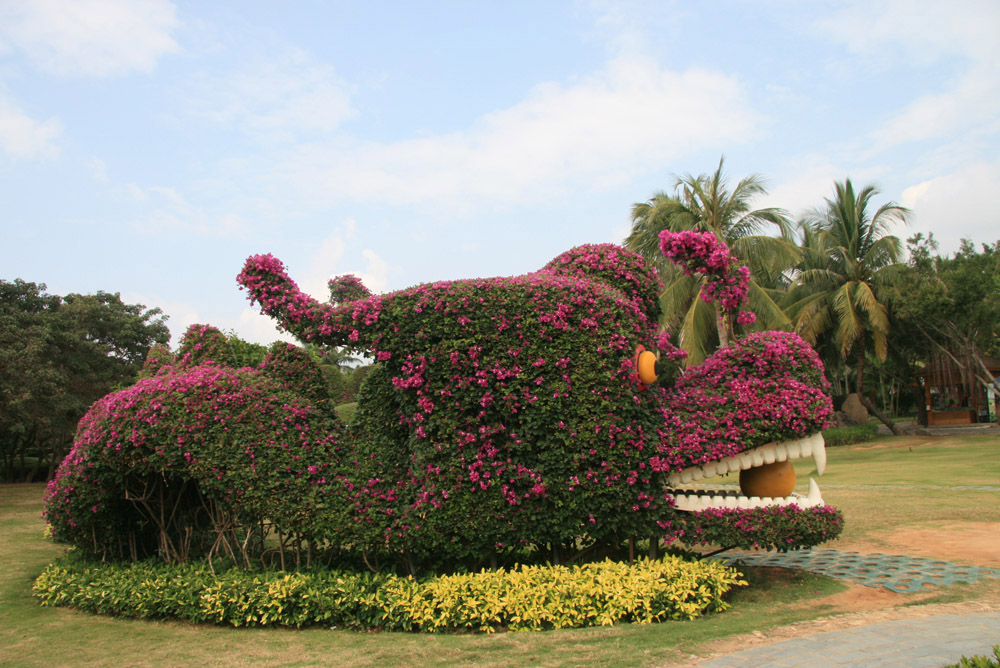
point(525, 598)
point(780, 528)
point(706, 203)
point(853, 434)
point(57, 356)
point(204, 343)
point(839, 299)
point(948, 309)
point(297, 372)
point(346, 412)
point(979, 661)
point(191, 463)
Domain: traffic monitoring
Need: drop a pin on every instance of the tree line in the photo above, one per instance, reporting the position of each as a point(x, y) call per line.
point(838, 278)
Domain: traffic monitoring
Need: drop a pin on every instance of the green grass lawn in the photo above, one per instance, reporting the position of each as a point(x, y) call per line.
point(31, 635)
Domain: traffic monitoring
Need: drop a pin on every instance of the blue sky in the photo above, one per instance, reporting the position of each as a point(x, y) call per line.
point(148, 147)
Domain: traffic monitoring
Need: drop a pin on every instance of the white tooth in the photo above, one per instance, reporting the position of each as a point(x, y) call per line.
point(743, 502)
point(780, 452)
point(807, 447)
point(718, 501)
point(746, 461)
point(769, 455)
point(697, 474)
point(709, 470)
point(686, 476)
point(794, 450)
point(814, 498)
point(756, 502)
point(757, 458)
point(734, 465)
point(819, 453)
point(674, 479)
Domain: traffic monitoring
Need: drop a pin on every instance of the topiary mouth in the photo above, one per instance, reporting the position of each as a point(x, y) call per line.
point(752, 460)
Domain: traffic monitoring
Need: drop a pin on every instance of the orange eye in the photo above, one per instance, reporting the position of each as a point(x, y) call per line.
point(646, 366)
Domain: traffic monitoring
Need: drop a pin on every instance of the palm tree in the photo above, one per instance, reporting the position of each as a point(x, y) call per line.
point(849, 260)
point(706, 204)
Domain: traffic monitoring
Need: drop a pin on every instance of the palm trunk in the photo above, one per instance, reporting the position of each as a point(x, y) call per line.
point(860, 388)
point(725, 330)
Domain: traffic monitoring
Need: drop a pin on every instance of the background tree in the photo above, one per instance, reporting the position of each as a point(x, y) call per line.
point(849, 265)
point(57, 356)
point(705, 203)
point(949, 308)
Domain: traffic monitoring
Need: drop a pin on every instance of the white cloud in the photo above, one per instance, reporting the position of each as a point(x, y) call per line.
point(276, 99)
point(326, 263)
point(250, 325)
point(956, 206)
point(376, 273)
point(918, 30)
point(630, 118)
point(323, 266)
point(24, 137)
point(968, 107)
point(255, 327)
point(167, 211)
point(98, 169)
point(90, 37)
point(810, 179)
point(923, 32)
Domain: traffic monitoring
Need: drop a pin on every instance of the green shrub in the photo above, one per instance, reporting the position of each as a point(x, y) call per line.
point(979, 661)
point(346, 412)
point(780, 528)
point(847, 435)
point(524, 598)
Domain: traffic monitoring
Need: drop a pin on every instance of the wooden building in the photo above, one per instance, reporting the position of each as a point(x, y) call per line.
point(953, 389)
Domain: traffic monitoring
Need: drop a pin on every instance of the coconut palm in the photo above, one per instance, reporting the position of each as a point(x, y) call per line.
point(849, 261)
point(706, 204)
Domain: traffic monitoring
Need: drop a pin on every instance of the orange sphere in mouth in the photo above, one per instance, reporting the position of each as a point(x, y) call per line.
point(773, 480)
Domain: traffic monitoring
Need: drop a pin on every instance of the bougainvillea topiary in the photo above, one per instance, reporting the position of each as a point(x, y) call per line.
point(502, 414)
point(190, 461)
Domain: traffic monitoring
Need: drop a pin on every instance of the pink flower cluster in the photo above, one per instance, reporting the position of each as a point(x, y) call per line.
point(701, 253)
point(769, 386)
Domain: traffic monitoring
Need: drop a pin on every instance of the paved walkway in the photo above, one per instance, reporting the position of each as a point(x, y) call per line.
point(931, 642)
point(900, 573)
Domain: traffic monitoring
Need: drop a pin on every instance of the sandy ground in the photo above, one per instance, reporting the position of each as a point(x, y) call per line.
point(975, 543)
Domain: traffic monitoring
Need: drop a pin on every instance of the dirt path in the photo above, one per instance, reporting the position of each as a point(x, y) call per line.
point(975, 543)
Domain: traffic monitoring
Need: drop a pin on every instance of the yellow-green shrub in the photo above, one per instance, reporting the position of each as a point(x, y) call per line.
point(526, 598)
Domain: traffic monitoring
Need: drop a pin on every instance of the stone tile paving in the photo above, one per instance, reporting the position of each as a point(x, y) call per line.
point(931, 642)
point(899, 573)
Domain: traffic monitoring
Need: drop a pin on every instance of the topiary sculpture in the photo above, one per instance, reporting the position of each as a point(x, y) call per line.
point(509, 413)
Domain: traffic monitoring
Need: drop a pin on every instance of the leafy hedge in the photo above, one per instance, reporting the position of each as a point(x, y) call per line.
point(780, 528)
point(527, 598)
point(858, 433)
